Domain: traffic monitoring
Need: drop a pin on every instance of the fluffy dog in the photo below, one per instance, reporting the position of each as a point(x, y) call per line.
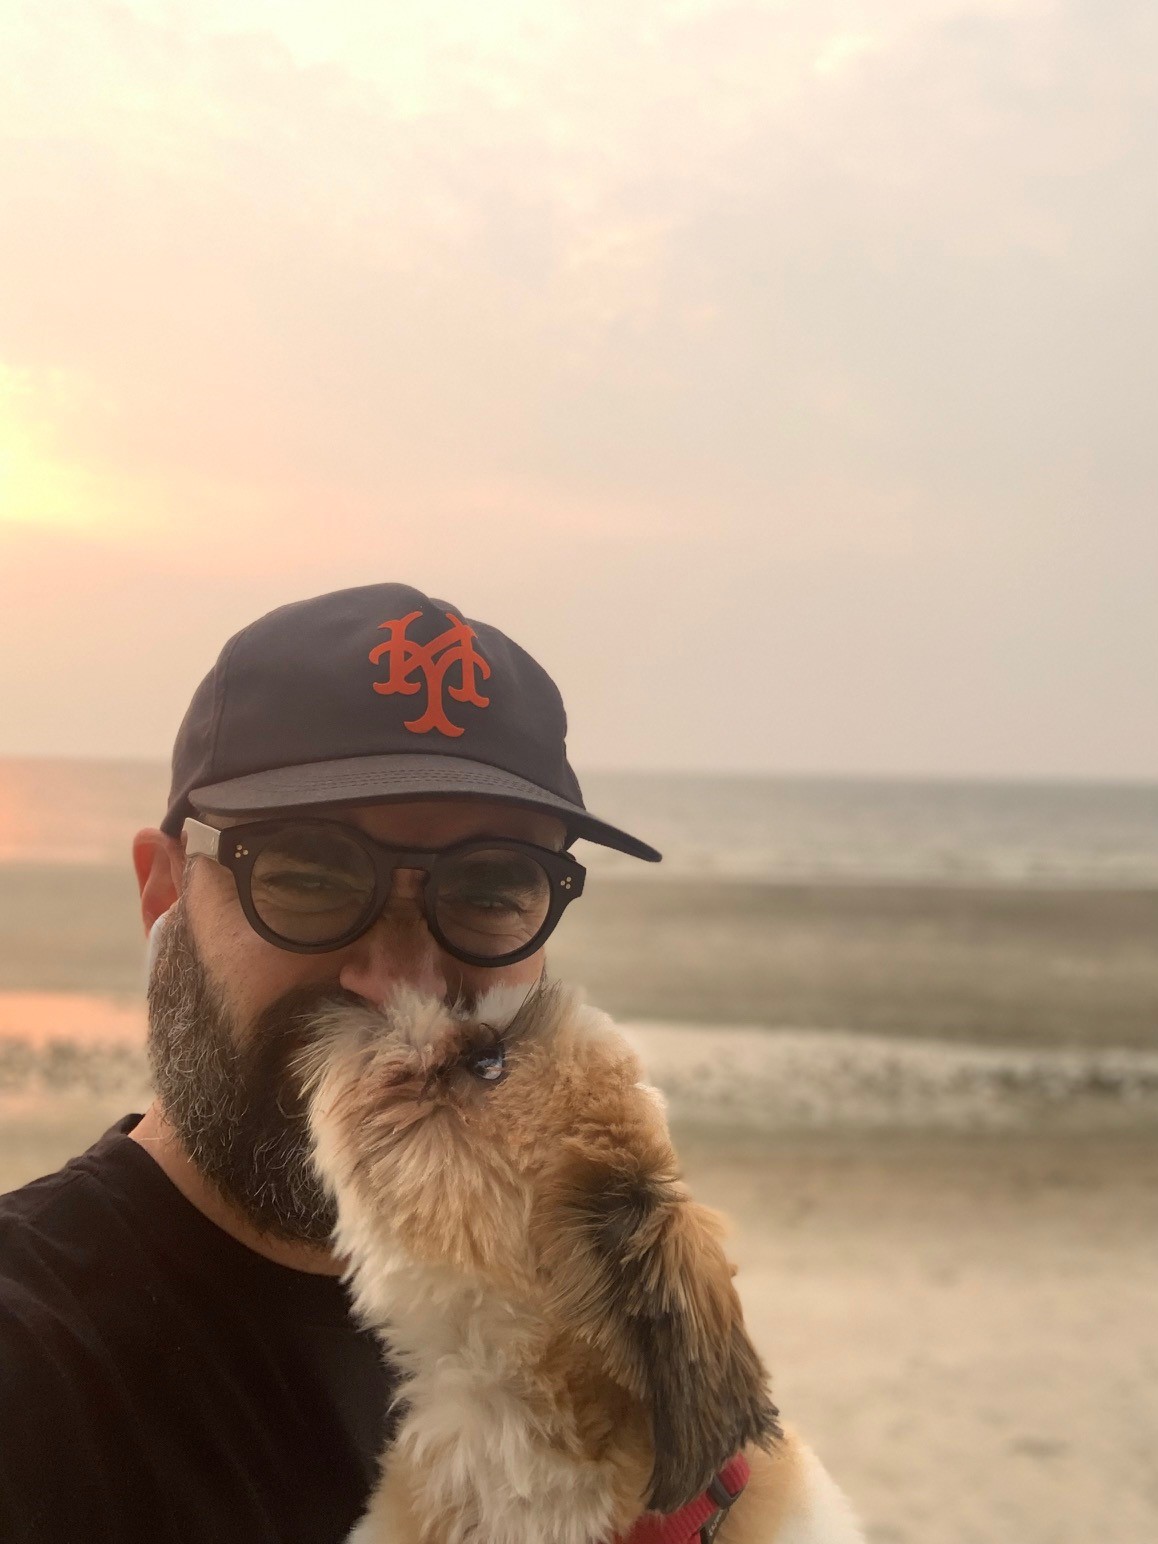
point(562, 1314)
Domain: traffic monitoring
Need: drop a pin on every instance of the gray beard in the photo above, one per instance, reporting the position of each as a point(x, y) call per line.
point(230, 1093)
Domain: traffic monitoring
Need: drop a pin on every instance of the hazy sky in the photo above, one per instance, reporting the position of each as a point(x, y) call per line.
point(782, 375)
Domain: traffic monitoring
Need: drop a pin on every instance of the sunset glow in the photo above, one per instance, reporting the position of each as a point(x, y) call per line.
point(816, 319)
point(37, 487)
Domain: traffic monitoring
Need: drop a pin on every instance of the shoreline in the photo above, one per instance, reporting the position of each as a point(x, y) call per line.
point(751, 1081)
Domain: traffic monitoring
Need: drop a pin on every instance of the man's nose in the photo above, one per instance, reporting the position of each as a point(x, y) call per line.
point(398, 950)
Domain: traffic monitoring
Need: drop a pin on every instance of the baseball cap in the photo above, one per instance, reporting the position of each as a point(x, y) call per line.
point(371, 695)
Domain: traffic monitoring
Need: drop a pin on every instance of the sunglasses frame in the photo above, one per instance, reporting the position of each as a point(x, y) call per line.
point(237, 848)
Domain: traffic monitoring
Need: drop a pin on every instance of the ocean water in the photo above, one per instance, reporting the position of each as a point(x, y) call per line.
point(914, 830)
point(739, 827)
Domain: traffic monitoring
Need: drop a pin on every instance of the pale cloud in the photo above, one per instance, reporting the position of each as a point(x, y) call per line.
point(830, 315)
point(843, 50)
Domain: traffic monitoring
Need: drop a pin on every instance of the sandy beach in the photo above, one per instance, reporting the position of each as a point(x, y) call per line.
point(962, 1324)
point(965, 1328)
point(931, 1113)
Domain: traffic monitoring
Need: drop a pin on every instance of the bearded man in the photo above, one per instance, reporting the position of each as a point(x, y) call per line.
point(368, 790)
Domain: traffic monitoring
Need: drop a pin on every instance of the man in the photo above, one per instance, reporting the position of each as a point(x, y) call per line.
point(367, 790)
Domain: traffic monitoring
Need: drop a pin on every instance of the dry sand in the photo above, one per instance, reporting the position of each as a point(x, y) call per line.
point(966, 1329)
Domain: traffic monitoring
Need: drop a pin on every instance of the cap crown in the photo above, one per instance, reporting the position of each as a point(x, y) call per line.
point(377, 670)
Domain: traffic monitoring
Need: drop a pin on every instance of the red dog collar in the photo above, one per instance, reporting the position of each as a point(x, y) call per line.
point(697, 1522)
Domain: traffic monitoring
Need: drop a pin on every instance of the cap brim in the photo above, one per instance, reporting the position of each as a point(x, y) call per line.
point(387, 779)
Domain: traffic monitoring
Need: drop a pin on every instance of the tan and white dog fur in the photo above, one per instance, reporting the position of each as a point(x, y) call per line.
point(562, 1314)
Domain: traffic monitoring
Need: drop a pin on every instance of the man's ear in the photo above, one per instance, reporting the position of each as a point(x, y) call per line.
point(160, 863)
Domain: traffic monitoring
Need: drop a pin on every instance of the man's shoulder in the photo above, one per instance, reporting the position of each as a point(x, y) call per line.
point(63, 1406)
point(64, 1240)
point(32, 1207)
point(44, 1333)
point(50, 1240)
point(74, 1196)
point(35, 1226)
point(53, 1222)
point(65, 1432)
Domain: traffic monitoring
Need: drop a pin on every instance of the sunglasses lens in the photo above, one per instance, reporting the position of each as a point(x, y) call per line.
point(490, 901)
point(310, 885)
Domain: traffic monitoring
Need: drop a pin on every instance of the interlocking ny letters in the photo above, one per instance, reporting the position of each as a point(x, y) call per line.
point(453, 647)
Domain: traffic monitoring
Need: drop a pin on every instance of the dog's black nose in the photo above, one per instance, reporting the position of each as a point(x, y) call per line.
point(489, 1064)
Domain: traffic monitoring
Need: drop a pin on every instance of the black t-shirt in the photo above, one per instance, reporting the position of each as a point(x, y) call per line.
point(160, 1382)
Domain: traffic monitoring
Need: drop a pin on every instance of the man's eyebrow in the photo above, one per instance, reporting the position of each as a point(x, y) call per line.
point(551, 844)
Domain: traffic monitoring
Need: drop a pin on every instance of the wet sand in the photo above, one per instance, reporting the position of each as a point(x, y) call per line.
point(985, 965)
point(964, 1327)
point(993, 966)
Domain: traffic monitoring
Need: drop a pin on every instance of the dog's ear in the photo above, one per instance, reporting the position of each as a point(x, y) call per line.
point(638, 1272)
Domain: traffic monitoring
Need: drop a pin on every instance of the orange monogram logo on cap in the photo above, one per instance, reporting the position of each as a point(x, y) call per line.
point(453, 647)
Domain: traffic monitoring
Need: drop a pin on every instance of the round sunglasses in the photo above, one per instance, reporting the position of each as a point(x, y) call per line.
point(311, 886)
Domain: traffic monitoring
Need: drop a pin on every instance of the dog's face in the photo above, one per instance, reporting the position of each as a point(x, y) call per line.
point(441, 1128)
point(520, 1148)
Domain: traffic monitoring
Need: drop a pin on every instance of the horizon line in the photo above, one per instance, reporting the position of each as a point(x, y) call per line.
point(781, 774)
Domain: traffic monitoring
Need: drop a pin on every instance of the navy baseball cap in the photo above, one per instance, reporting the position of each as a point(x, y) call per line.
point(373, 695)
